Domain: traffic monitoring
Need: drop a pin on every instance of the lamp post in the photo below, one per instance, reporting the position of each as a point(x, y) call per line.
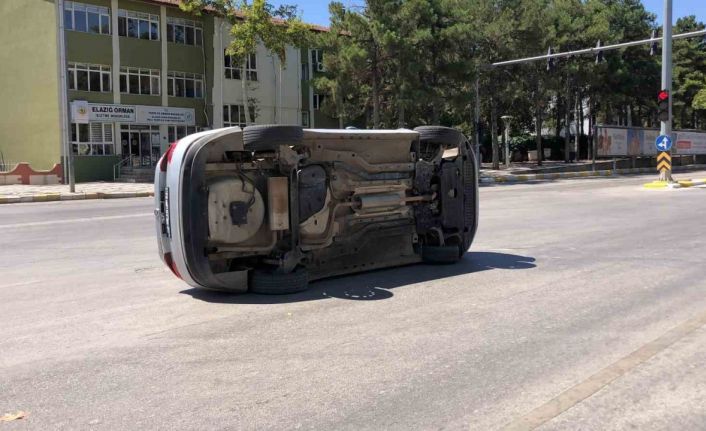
point(506, 137)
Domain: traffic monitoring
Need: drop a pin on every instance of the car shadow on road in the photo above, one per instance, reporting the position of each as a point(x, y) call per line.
point(375, 285)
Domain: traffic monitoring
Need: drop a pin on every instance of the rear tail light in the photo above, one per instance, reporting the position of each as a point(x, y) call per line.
point(171, 264)
point(167, 157)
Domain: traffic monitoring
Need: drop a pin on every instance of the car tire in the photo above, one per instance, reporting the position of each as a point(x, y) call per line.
point(441, 254)
point(275, 283)
point(270, 137)
point(440, 135)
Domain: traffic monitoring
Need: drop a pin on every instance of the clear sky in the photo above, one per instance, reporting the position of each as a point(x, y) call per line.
point(316, 11)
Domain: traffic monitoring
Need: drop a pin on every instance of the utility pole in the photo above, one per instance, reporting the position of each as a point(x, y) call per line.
point(63, 100)
point(476, 121)
point(666, 125)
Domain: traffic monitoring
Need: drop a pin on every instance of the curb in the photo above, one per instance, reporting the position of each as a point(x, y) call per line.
point(48, 197)
point(582, 174)
point(691, 183)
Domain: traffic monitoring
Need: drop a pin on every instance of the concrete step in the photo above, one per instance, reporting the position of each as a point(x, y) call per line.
point(136, 175)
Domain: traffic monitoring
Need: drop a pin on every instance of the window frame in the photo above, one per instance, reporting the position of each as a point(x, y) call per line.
point(105, 146)
point(103, 71)
point(317, 60)
point(235, 71)
point(151, 75)
point(317, 101)
point(196, 26)
point(74, 7)
point(231, 112)
point(149, 20)
point(197, 84)
point(173, 130)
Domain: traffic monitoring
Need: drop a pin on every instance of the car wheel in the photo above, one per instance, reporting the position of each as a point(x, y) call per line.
point(270, 137)
point(275, 283)
point(440, 135)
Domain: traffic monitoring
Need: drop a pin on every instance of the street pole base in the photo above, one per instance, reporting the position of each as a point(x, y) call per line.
point(666, 176)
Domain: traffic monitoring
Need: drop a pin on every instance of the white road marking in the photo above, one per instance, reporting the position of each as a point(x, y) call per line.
point(74, 220)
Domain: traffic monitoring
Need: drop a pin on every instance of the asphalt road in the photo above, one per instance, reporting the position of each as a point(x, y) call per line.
point(582, 305)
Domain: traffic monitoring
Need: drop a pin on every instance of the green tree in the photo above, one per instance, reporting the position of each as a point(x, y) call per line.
point(252, 23)
point(689, 74)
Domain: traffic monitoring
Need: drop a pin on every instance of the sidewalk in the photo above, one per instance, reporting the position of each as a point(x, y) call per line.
point(60, 192)
point(559, 170)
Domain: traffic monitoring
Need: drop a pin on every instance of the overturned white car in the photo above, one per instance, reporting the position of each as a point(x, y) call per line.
point(269, 208)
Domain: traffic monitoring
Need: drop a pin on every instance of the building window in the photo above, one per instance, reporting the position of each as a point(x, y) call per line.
point(185, 85)
point(89, 77)
point(305, 71)
point(184, 31)
point(232, 68)
point(86, 18)
point(92, 139)
point(305, 118)
point(234, 115)
point(139, 25)
point(139, 81)
point(317, 60)
point(177, 132)
point(318, 101)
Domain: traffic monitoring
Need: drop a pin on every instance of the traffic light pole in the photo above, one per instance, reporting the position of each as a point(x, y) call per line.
point(595, 50)
point(666, 126)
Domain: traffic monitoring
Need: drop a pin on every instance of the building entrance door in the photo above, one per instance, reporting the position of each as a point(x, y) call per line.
point(140, 144)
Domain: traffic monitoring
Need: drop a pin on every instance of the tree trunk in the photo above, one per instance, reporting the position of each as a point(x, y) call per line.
point(567, 124)
point(376, 99)
point(494, 134)
point(246, 102)
point(538, 131)
point(591, 124)
point(578, 119)
point(339, 107)
point(400, 99)
point(400, 114)
point(558, 116)
point(434, 112)
point(279, 100)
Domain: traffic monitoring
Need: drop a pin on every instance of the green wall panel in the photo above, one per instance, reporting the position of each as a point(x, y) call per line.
point(29, 109)
point(94, 168)
point(139, 99)
point(140, 53)
point(88, 48)
point(91, 96)
point(184, 58)
point(138, 6)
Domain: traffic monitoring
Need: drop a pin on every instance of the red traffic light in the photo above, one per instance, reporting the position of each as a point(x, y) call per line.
point(663, 95)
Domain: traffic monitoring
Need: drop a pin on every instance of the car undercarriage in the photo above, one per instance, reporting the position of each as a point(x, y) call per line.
point(270, 208)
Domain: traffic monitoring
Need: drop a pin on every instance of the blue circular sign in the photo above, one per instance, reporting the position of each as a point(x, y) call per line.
point(663, 143)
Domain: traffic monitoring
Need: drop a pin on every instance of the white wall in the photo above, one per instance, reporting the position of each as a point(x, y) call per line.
point(266, 89)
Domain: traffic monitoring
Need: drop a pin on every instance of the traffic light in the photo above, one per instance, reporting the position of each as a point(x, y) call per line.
point(599, 54)
point(551, 62)
point(653, 45)
point(663, 101)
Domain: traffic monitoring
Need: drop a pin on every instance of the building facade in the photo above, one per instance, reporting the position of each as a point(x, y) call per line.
point(139, 74)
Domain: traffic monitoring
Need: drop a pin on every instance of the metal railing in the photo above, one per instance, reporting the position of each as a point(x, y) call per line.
point(7, 166)
point(118, 166)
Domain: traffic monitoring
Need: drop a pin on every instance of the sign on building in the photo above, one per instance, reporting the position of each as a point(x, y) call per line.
point(84, 112)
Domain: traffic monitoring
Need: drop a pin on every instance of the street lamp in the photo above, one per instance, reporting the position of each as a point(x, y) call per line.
point(506, 137)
